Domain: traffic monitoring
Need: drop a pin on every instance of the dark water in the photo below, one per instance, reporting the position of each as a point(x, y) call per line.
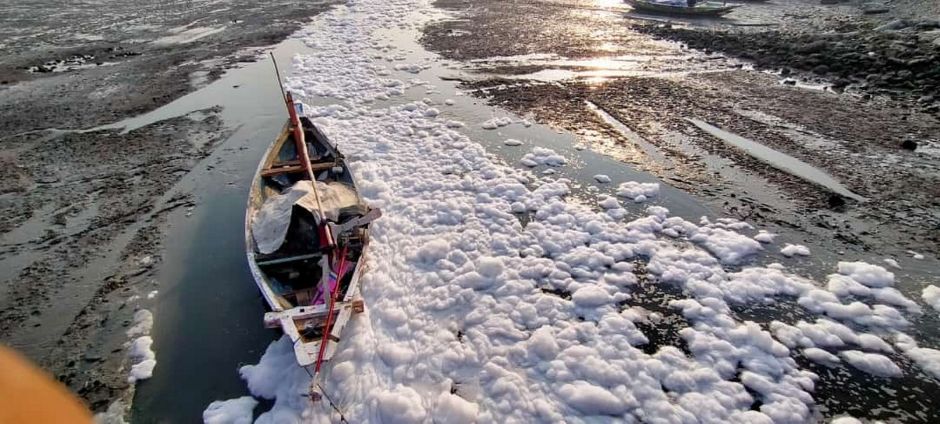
point(208, 315)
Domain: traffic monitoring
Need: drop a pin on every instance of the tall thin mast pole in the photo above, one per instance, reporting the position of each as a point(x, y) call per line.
point(277, 72)
point(300, 143)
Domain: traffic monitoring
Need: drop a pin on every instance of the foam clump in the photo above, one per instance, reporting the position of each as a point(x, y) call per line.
point(638, 192)
point(931, 295)
point(495, 123)
point(232, 411)
point(143, 357)
point(592, 400)
point(140, 352)
point(765, 237)
point(590, 296)
point(543, 156)
point(790, 250)
point(403, 405)
point(728, 246)
point(928, 359)
point(820, 356)
point(453, 409)
point(867, 274)
point(872, 363)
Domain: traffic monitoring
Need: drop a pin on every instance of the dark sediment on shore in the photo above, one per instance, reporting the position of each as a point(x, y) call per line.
point(898, 58)
point(89, 238)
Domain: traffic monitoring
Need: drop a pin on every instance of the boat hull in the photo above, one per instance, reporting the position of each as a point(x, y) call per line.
point(291, 309)
point(666, 9)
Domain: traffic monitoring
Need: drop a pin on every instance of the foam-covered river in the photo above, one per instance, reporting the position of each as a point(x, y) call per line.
point(576, 289)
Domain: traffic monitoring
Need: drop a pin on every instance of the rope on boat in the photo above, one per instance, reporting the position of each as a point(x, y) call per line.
point(342, 418)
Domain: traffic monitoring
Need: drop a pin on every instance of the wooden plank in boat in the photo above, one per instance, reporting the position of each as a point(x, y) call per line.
point(289, 259)
point(321, 166)
point(271, 319)
point(293, 162)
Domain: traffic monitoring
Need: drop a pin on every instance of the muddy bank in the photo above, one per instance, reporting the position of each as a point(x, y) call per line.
point(489, 28)
point(74, 67)
point(83, 239)
point(896, 58)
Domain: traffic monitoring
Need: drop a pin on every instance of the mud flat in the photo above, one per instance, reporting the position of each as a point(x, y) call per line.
point(892, 54)
point(84, 205)
point(84, 225)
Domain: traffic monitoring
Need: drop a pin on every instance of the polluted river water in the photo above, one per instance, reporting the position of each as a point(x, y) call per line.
point(208, 313)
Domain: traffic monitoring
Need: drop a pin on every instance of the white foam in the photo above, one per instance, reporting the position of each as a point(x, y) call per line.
point(453, 409)
point(143, 323)
point(790, 250)
point(638, 191)
point(818, 355)
point(928, 359)
point(727, 245)
point(140, 351)
point(401, 405)
point(232, 411)
point(765, 237)
point(543, 156)
point(144, 360)
point(495, 123)
point(608, 202)
point(867, 274)
point(871, 363)
point(915, 255)
point(589, 399)
point(590, 296)
point(931, 295)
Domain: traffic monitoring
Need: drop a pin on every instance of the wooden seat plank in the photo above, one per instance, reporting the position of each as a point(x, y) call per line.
point(315, 167)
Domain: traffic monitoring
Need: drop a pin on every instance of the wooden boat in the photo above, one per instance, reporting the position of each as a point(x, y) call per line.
point(307, 232)
point(700, 9)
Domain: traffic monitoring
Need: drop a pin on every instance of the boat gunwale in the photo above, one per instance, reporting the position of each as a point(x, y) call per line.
point(280, 315)
point(642, 5)
point(254, 192)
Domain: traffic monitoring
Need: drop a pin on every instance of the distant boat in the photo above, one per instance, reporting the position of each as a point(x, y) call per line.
point(700, 9)
point(307, 232)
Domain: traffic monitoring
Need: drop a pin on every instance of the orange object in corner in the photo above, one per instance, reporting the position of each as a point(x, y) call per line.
point(29, 395)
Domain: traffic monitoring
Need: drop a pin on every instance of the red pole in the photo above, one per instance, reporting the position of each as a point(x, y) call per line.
point(329, 316)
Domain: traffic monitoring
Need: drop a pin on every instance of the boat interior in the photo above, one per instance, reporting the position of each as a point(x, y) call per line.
point(295, 269)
